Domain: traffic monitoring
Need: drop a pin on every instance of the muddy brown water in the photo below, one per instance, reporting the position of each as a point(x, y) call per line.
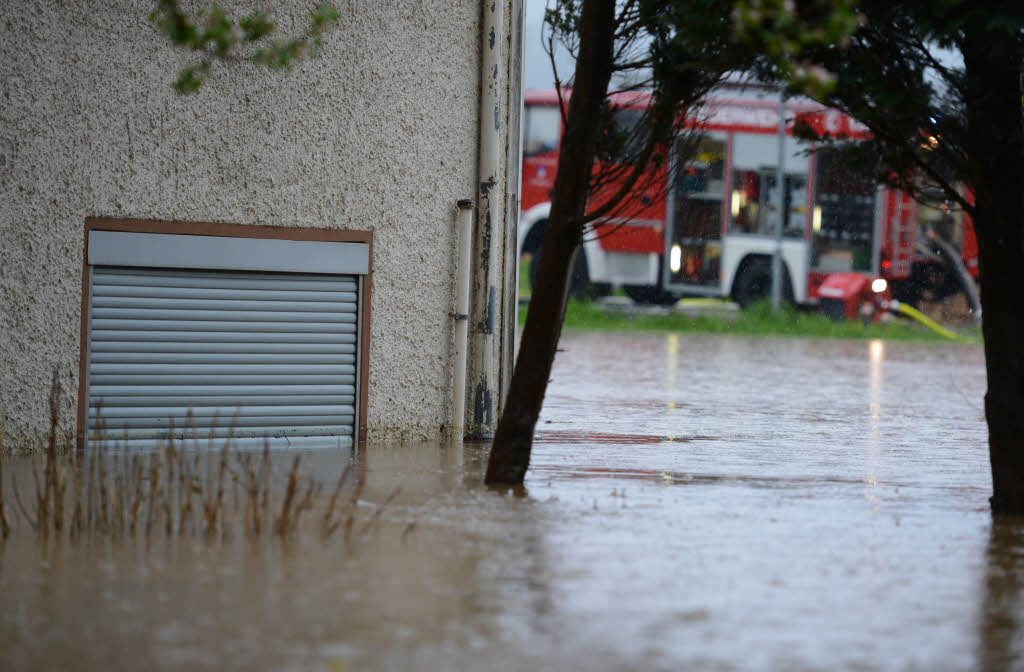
point(695, 502)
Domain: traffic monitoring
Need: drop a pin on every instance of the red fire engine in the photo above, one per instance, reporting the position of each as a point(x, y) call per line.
point(710, 232)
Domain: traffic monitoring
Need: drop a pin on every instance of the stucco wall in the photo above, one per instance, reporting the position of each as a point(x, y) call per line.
point(378, 133)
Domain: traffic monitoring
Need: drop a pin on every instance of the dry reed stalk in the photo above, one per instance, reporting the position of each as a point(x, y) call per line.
point(190, 428)
point(169, 494)
point(305, 504)
point(222, 468)
point(90, 497)
point(21, 505)
point(235, 480)
point(234, 475)
point(154, 492)
point(198, 481)
point(408, 530)
point(128, 494)
point(5, 527)
point(137, 495)
point(59, 492)
point(327, 524)
point(125, 492)
point(281, 524)
point(182, 480)
point(103, 520)
point(118, 508)
point(380, 510)
point(265, 494)
point(353, 509)
point(190, 485)
point(245, 464)
point(42, 493)
point(252, 494)
point(76, 496)
point(184, 491)
point(57, 484)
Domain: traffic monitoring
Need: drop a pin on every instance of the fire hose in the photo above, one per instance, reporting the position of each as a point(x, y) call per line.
point(916, 315)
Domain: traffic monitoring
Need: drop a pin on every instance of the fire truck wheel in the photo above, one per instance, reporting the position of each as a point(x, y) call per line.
point(579, 281)
point(754, 283)
point(650, 295)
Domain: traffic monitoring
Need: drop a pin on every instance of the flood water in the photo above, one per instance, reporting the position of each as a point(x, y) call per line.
point(694, 502)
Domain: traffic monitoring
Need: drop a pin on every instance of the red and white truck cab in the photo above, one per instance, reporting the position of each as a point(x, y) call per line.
point(710, 232)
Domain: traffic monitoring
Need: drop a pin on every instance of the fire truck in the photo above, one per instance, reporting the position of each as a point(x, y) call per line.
point(707, 228)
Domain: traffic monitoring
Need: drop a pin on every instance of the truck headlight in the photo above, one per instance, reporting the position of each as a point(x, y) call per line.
point(879, 285)
point(676, 259)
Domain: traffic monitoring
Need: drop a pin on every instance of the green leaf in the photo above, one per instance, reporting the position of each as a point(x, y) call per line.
point(191, 77)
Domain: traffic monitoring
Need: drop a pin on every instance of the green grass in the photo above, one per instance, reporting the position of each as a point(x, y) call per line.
point(758, 320)
point(524, 277)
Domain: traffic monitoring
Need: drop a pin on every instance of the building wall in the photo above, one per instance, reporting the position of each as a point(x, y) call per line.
point(378, 133)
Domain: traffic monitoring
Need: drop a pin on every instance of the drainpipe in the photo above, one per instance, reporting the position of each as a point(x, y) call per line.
point(509, 275)
point(488, 253)
point(465, 227)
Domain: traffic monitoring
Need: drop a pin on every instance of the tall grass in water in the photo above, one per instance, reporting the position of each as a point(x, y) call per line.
point(168, 492)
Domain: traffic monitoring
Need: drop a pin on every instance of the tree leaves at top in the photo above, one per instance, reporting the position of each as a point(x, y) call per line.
point(785, 31)
point(888, 76)
point(214, 34)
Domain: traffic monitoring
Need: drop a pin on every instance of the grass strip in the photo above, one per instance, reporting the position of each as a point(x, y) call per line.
point(757, 320)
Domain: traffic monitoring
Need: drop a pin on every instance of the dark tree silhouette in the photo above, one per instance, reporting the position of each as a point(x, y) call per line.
point(948, 125)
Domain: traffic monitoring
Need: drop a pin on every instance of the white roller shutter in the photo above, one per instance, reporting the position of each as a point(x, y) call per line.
point(249, 353)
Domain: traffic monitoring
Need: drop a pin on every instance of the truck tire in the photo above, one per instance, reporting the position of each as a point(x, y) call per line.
point(652, 294)
point(649, 294)
point(754, 283)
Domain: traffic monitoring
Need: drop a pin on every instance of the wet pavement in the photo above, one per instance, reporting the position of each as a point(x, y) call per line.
point(694, 502)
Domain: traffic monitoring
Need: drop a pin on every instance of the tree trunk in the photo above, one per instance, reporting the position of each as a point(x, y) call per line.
point(995, 149)
point(510, 453)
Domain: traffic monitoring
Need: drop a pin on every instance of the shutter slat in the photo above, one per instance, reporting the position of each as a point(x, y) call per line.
point(239, 354)
point(218, 280)
point(207, 368)
point(221, 358)
point(257, 302)
point(130, 348)
point(254, 443)
point(147, 390)
point(109, 292)
point(225, 432)
point(112, 413)
point(340, 314)
point(194, 326)
point(164, 423)
point(111, 404)
point(195, 379)
point(99, 336)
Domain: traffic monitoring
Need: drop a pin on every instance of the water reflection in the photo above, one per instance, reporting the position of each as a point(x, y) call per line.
point(876, 359)
point(803, 505)
point(1001, 632)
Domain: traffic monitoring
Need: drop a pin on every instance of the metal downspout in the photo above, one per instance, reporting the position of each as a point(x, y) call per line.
point(488, 241)
point(465, 227)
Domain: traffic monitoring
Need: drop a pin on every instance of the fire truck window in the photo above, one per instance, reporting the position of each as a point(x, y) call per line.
point(755, 197)
point(754, 202)
point(540, 134)
point(843, 221)
point(695, 252)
